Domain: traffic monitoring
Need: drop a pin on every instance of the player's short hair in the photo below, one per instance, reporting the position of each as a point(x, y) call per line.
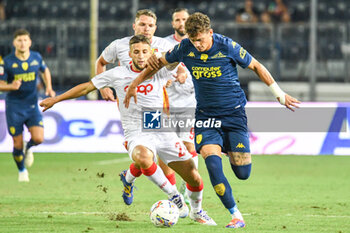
point(139, 39)
point(146, 12)
point(179, 10)
point(197, 23)
point(20, 32)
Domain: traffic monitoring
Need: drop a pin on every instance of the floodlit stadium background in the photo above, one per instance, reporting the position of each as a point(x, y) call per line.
point(309, 57)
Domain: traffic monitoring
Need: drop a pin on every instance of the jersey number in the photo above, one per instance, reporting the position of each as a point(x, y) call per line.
point(181, 150)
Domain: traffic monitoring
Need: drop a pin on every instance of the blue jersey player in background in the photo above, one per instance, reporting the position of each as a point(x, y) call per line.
point(212, 60)
point(19, 73)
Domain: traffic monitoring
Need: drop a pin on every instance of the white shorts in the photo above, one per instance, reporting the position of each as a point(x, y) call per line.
point(185, 134)
point(166, 145)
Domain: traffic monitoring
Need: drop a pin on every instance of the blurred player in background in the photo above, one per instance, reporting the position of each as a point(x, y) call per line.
point(212, 60)
point(143, 147)
point(179, 18)
point(21, 69)
point(118, 50)
point(182, 101)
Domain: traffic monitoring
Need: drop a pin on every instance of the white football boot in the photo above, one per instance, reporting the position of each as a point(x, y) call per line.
point(179, 201)
point(23, 176)
point(202, 217)
point(28, 155)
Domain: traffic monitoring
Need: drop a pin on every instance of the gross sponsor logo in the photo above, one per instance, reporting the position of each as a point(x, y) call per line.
point(25, 77)
point(206, 72)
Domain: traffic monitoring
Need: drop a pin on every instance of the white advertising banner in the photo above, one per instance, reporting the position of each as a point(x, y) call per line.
point(95, 126)
point(75, 126)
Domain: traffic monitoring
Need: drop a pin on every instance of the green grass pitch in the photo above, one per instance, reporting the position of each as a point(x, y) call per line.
point(82, 193)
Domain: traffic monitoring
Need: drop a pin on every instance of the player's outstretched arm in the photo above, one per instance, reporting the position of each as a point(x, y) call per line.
point(15, 85)
point(132, 92)
point(155, 63)
point(267, 78)
point(106, 92)
point(75, 92)
point(47, 80)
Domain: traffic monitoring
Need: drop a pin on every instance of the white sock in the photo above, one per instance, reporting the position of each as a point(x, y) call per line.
point(237, 213)
point(195, 200)
point(156, 175)
point(129, 177)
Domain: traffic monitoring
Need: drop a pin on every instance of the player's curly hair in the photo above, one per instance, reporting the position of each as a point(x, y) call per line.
point(197, 23)
point(20, 32)
point(146, 12)
point(139, 38)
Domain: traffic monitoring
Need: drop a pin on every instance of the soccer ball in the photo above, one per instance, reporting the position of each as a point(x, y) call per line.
point(164, 213)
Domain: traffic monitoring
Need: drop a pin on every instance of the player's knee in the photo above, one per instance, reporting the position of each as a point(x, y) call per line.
point(142, 156)
point(242, 172)
point(38, 139)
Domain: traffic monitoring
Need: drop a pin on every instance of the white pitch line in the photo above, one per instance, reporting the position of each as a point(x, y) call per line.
point(113, 161)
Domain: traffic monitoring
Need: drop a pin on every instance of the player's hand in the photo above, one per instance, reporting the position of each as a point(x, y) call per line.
point(16, 84)
point(181, 74)
point(291, 103)
point(107, 94)
point(50, 92)
point(131, 92)
point(153, 62)
point(47, 103)
point(181, 78)
point(169, 83)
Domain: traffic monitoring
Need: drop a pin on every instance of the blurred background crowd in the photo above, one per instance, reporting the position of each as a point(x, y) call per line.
point(277, 32)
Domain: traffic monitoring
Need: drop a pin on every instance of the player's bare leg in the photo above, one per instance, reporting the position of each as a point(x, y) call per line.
point(19, 157)
point(37, 137)
point(168, 172)
point(37, 134)
point(212, 155)
point(241, 164)
point(18, 141)
point(188, 171)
